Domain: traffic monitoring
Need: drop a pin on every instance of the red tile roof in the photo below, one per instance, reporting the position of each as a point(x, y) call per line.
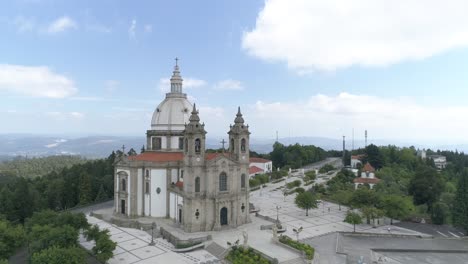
point(210, 156)
point(254, 170)
point(366, 180)
point(368, 168)
point(358, 157)
point(180, 184)
point(158, 156)
point(258, 160)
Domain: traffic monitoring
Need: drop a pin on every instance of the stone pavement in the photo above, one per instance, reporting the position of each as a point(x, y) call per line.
point(327, 218)
point(132, 247)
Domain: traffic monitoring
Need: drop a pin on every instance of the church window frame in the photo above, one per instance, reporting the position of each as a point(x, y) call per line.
point(197, 184)
point(243, 143)
point(223, 184)
point(156, 143)
point(181, 143)
point(123, 185)
point(197, 145)
point(243, 180)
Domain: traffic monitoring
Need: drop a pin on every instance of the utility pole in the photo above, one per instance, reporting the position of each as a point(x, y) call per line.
point(344, 152)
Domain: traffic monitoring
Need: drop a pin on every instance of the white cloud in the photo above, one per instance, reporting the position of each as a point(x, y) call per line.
point(35, 81)
point(62, 116)
point(62, 24)
point(331, 34)
point(148, 28)
point(24, 24)
point(111, 85)
point(333, 116)
point(132, 29)
point(165, 84)
point(228, 84)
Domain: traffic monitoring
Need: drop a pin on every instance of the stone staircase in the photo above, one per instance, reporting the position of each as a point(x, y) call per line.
point(216, 250)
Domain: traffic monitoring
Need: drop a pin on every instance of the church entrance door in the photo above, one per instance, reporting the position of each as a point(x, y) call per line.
point(180, 215)
point(122, 206)
point(224, 216)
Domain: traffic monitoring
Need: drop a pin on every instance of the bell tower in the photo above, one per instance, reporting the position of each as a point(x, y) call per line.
point(194, 140)
point(239, 139)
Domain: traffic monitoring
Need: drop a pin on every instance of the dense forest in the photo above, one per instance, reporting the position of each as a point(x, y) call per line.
point(35, 167)
point(79, 184)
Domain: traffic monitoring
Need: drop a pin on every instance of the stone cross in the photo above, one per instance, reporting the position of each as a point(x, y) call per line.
point(223, 142)
point(176, 60)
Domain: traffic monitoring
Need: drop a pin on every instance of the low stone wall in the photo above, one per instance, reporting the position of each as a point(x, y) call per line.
point(264, 217)
point(176, 240)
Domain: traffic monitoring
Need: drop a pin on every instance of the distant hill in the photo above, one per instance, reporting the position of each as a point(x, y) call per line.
point(37, 166)
point(101, 146)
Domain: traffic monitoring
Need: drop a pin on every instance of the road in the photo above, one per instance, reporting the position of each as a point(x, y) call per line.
point(336, 162)
point(442, 231)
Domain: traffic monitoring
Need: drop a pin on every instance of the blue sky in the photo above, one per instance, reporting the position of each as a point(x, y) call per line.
point(304, 68)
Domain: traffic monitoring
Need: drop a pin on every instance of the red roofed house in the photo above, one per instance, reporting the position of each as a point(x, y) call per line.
point(259, 166)
point(174, 178)
point(367, 176)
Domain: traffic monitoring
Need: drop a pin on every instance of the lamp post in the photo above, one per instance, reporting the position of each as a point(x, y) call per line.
point(153, 226)
point(277, 216)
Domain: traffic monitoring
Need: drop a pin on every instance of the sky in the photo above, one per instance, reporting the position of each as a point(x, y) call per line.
point(300, 67)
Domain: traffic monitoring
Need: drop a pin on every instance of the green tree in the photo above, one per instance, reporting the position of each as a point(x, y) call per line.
point(353, 218)
point(364, 197)
point(306, 200)
point(371, 213)
point(102, 195)
point(23, 200)
point(85, 188)
point(11, 238)
point(426, 186)
point(396, 207)
point(132, 152)
point(58, 255)
point(460, 205)
point(374, 157)
point(440, 213)
point(342, 197)
point(42, 237)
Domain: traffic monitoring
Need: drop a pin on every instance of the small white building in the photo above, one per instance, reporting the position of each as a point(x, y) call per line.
point(355, 160)
point(259, 166)
point(367, 177)
point(439, 161)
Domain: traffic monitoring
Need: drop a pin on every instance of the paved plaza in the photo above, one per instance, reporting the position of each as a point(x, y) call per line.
point(133, 247)
point(327, 218)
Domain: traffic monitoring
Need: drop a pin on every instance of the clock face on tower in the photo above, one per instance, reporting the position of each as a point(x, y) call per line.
point(198, 159)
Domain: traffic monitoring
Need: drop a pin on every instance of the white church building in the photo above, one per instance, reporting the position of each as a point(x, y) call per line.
point(174, 178)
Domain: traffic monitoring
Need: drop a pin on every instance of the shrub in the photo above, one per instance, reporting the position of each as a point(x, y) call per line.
point(239, 255)
point(307, 249)
point(299, 190)
point(293, 184)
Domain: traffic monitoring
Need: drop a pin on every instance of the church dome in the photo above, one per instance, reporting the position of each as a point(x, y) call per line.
point(173, 113)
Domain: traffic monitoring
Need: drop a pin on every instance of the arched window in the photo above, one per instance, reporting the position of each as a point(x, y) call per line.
point(222, 182)
point(197, 145)
point(243, 181)
point(232, 145)
point(123, 185)
point(186, 145)
point(197, 184)
point(243, 145)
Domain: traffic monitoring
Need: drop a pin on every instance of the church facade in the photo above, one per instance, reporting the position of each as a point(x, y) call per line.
point(175, 178)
